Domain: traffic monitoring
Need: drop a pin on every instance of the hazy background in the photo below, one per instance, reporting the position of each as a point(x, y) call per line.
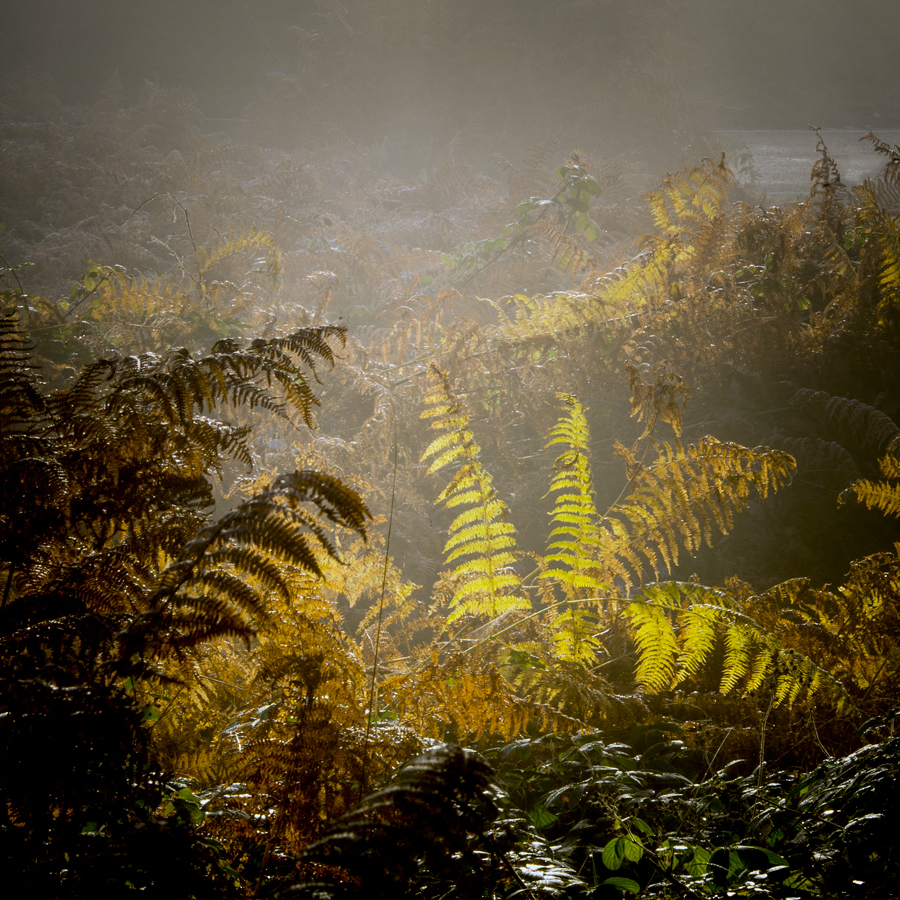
point(491, 74)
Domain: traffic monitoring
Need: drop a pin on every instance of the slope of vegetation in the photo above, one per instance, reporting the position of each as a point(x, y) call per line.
point(311, 472)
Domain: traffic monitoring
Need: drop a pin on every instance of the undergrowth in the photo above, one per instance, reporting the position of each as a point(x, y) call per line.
point(645, 561)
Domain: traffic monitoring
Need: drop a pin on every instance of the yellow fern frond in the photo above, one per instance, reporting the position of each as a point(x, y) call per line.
point(654, 636)
point(690, 198)
point(881, 495)
point(740, 641)
point(886, 233)
point(574, 636)
point(574, 539)
point(481, 544)
point(684, 496)
point(878, 495)
point(256, 240)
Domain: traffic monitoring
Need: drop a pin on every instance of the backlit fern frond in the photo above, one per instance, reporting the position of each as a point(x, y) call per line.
point(654, 637)
point(676, 626)
point(682, 498)
point(204, 591)
point(534, 323)
point(688, 209)
point(877, 211)
point(881, 495)
point(481, 544)
point(687, 200)
point(642, 283)
point(574, 539)
point(885, 231)
point(679, 627)
point(574, 635)
point(256, 240)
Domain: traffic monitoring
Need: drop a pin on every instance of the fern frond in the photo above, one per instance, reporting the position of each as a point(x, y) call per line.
point(879, 495)
point(574, 636)
point(205, 579)
point(684, 496)
point(690, 198)
point(868, 428)
point(568, 253)
point(740, 641)
point(654, 635)
point(574, 538)
point(21, 403)
point(469, 695)
point(481, 542)
point(883, 228)
point(256, 240)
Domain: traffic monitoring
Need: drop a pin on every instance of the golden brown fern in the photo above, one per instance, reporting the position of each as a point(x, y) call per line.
point(131, 449)
point(686, 494)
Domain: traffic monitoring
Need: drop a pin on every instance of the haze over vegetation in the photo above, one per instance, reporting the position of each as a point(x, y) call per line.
point(414, 75)
point(434, 463)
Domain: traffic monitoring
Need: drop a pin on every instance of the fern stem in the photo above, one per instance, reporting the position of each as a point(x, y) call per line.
point(534, 615)
point(648, 434)
point(877, 675)
point(387, 550)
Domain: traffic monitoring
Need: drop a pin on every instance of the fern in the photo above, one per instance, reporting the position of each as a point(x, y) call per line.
point(679, 626)
point(690, 198)
point(232, 244)
point(128, 456)
point(574, 516)
point(681, 498)
point(867, 428)
point(574, 539)
point(656, 644)
point(204, 591)
point(881, 495)
point(568, 253)
point(481, 543)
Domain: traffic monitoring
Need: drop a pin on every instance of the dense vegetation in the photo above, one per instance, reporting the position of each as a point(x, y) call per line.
point(513, 531)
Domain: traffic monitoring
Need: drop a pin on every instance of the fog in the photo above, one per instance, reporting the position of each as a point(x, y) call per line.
point(411, 76)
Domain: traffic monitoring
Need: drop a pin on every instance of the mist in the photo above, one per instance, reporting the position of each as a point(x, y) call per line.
point(649, 77)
